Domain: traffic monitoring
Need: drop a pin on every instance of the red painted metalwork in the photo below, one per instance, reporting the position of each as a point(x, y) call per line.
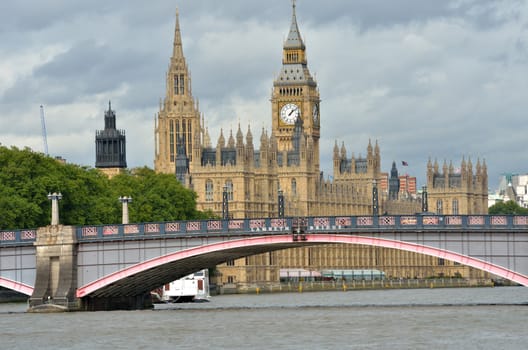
point(16, 286)
point(310, 238)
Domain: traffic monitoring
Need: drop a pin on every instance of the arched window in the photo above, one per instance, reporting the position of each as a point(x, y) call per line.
point(229, 189)
point(182, 84)
point(439, 207)
point(209, 191)
point(455, 206)
point(294, 186)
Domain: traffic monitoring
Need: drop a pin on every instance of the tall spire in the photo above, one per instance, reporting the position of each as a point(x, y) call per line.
point(177, 50)
point(294, 40)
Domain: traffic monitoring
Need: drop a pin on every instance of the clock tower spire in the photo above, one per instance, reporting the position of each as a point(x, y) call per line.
point(295, 94)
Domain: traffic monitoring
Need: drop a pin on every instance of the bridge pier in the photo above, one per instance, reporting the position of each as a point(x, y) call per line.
point(56, 270)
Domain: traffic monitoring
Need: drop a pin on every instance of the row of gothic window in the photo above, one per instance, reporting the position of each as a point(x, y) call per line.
point(440, 207)
point(180, 130)
point(228, 187)
point(291, 91)
point(292, 57)
point(179, 84)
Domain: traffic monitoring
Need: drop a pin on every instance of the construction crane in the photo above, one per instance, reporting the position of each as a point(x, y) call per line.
point(44, 134)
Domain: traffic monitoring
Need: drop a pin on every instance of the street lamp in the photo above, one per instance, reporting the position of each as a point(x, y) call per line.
point(424, 199)
point(225, 204)
point(281, 203)
point(375, 209)
point(124, 201)
point(54, 197)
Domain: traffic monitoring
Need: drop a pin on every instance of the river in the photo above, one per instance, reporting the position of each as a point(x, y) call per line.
point(454, 318)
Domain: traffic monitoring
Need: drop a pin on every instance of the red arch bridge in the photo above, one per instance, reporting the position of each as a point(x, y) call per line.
point(116, 266)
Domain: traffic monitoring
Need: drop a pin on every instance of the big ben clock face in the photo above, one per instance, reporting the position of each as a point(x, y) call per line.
point(289, 113)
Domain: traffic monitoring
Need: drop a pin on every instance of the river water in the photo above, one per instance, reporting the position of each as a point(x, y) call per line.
point(462, 318)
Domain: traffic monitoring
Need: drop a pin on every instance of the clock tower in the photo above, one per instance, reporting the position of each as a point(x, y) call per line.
point(295, 95)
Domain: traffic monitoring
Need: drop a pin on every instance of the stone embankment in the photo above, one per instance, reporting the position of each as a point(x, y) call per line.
point(319, 286)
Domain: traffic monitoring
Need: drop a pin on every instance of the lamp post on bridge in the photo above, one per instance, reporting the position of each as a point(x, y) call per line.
point(124, 201)
point(375, 204)
point(281, 203)
point(225, 204)
point(54, 197)
point(425, 208)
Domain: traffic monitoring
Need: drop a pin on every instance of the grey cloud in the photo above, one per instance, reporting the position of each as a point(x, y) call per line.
point(459, 91)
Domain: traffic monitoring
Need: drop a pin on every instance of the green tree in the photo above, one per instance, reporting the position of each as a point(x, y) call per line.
point(156, 197)
point(509, 207)
point(88, 196)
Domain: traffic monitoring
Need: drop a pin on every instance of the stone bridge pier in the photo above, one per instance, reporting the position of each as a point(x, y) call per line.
point(56, 277)
point(56, 270)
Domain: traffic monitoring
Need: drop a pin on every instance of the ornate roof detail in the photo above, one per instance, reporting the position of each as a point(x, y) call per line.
point(221, 139)
point(177, 50)
point(231, 142)
point(294, 40)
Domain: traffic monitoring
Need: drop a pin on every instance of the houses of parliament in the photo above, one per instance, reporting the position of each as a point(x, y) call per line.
point(250, 173)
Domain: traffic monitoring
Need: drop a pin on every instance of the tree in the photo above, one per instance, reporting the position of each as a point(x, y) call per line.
point(156, 197)
point(509, 207)
point(88, 196)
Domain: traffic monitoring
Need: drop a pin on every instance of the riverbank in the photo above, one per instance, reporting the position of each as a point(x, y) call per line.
point(7, 296)
point(320, 286)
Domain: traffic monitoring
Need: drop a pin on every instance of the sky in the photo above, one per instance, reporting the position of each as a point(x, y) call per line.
point(427, 79)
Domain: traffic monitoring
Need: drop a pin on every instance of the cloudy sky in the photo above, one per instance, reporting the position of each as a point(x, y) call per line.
point(426, 78)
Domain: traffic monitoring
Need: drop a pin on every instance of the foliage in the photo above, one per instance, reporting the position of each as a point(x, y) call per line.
point(156, 197)
point(509, 207)
point(88, 196)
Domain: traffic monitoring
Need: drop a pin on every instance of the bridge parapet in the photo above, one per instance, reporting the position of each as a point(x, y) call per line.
point(18, 237)
point(270, 226)
point(280, 225)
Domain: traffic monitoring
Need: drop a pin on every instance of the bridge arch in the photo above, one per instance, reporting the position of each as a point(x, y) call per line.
point(193, 259)
point(16, 286)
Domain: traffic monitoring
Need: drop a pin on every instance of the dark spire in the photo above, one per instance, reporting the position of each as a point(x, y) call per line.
point(182, 163)
point(110, 143)
point(394, 183)
point(110, 120)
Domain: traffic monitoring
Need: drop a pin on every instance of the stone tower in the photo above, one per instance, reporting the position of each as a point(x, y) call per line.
point(110, 146)
point(178, 120)
point(394, 183)
point(295, 94)
point(457, 191)
point(296, 124)
point(249, 173)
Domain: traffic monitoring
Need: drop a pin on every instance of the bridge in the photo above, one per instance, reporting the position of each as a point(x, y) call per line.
point(116, 266)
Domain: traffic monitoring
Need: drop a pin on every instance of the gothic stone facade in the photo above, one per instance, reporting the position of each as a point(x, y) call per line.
point(286, 159)
point(454, 192)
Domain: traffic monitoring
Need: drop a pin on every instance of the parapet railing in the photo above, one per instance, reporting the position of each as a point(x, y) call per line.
point(269, 226)
point(302, 225)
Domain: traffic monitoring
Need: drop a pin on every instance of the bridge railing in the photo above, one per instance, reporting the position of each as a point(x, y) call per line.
point(349, 224)
point(190, 227)
point(18, 237)
point(359, 224)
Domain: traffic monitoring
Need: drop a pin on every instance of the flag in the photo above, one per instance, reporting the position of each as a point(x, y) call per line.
point(404, 163)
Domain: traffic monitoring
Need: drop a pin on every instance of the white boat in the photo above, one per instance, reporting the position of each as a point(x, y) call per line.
point(191, 288)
